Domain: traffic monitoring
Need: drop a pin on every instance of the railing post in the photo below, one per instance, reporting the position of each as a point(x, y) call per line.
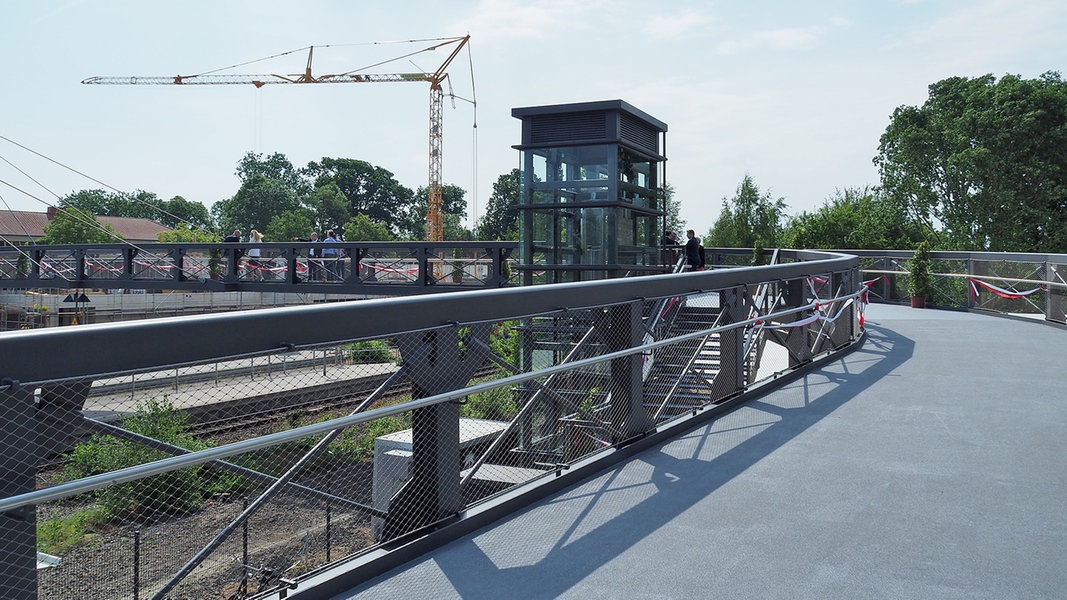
point(177, 255)
point(1054, 296)
point(433, 491)
point(625, 329)
point(731, 376)
point(970, 272)
point(841, 332)
point(18, 528)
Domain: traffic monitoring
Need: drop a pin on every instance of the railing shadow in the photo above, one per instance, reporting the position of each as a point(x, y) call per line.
point(661, 483)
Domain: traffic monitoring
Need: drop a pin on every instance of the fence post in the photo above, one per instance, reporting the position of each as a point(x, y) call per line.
point(136, 564)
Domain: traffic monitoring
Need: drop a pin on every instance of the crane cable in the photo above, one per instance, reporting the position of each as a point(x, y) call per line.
point(474, 134)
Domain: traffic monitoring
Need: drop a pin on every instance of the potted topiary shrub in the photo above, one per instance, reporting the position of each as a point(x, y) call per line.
point(920, 282)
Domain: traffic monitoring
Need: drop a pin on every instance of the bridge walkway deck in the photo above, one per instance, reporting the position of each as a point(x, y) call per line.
point(930, 463)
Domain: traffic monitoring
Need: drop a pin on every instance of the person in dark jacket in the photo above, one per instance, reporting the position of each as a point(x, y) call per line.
point(692, 251)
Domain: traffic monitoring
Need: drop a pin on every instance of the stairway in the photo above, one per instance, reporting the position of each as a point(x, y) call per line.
point(681, 375)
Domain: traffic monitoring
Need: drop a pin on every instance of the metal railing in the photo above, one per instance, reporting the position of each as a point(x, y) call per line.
point(1010, 283)
point(448, 411)
point(393, 268)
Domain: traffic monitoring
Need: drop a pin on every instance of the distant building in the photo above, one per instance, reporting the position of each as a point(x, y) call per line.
point(19, 226)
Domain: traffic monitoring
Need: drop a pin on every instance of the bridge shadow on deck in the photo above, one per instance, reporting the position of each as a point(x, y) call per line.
point(554, 546)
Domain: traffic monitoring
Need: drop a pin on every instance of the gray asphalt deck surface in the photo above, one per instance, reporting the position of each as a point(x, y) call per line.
point(931, 463)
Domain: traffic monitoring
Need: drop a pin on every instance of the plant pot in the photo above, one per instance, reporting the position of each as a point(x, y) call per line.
point(918, 301)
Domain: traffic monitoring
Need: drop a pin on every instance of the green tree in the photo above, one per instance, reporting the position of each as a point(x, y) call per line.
point(178, 210)
point(673, 209)
point(501, 218)
point(453, 209)
point(140, 205)
point(363, 228)
point(289, 225)
point(857, 218)
point(369, 190)
point(183, 233)
point(329, 207)
point(275, 166)
point(254, 205)
point(77, 226)
point(982, 164)
point(96, 202)
point(751, 219)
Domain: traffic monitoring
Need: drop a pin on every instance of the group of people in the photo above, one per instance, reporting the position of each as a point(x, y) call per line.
point(324, 263)
point(694, 249)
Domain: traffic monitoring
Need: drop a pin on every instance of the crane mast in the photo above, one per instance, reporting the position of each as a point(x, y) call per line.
point(435, 200)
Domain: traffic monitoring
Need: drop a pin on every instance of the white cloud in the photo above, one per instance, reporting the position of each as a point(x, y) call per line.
point(787, 38)
point(678, 25)
point(511, 20)
point(993, 31)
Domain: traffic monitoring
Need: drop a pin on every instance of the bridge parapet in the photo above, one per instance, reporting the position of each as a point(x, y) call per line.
point(565, 377)
point(370, 268)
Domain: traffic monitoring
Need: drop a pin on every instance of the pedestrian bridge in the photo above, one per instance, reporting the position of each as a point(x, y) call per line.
point(928, 463)
point(744, 432)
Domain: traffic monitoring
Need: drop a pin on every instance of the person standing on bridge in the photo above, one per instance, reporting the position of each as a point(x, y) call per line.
point(314, 265)
point(694, 251)
point(254, 264)
point(330, 258)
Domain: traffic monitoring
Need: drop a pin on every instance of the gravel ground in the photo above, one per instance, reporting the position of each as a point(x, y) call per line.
point(285, 538)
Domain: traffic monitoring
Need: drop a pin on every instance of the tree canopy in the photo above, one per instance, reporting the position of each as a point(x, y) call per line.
point(77, 226)
point(141, 205)
point(370, 190)
point(501, 219)
point(856, 218)
point(751, 219)
point(982, 164)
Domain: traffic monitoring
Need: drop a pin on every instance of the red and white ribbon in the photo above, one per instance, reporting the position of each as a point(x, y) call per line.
point(1003, 293)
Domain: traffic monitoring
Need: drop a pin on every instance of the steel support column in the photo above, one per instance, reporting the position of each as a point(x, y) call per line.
point(625, 329)
point(18, 528)
point(433, 492)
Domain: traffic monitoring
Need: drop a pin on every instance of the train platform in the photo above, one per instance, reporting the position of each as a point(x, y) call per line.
point(929, 463)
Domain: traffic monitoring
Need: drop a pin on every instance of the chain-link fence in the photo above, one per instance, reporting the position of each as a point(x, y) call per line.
point(240, 453)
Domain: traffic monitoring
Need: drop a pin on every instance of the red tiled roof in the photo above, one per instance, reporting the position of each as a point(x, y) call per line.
point(21, 225)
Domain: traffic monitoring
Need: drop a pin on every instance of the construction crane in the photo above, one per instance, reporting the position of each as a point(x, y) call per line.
point(437, 79)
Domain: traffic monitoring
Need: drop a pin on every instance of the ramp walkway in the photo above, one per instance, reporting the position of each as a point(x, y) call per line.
point(930, 463)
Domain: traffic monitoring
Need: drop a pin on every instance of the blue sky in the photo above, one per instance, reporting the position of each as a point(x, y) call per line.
point(796, 94)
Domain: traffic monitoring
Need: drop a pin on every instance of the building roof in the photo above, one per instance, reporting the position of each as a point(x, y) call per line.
point(24, 225)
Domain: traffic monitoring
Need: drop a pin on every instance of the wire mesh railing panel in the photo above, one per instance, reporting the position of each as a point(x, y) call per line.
point(221, 478)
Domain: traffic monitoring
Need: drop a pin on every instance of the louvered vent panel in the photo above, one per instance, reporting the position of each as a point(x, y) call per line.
point(638, 133)
point(546, 129)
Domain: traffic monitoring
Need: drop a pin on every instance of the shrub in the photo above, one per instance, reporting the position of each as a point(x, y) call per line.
point(174, 492)
point(497, 404)
point(920, 280)
point(371, 351)
point(358, 442)
point(504, 341)
point(59, 534)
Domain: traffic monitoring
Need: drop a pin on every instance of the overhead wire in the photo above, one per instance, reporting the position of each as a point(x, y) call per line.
point(76, 215)
point(90, 178)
